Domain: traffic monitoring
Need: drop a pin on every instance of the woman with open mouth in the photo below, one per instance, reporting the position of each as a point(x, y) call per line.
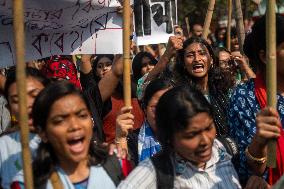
point(66, 153)
point(196, 65)
point(191, 157)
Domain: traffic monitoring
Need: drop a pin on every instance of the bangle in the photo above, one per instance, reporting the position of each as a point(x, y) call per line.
point(120, 140)
point(254, 159)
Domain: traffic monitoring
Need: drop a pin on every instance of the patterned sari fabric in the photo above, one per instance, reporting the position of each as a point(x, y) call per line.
point(243, 108)
point(58, 67)
point(274, 174)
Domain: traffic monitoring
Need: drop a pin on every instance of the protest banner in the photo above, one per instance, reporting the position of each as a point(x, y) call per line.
point(56, 27)
point(154, 20)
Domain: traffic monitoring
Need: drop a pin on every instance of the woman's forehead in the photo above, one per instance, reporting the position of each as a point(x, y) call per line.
point(196, 47)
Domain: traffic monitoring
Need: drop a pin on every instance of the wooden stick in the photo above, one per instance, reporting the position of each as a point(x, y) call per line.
point(19, 37)
point(208, 19)
point(74, 60)
point(240, 24)
point(187, 26)
point(271, 72)
point(126, 61)
point(229, 25)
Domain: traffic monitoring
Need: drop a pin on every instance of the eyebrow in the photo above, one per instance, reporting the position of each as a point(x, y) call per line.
point(196, 129)
point(66, 114)
point(203, 50)
point(29, 92)
point(14, 96)
point(33, 90)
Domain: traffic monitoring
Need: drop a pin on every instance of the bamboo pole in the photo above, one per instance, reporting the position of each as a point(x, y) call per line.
point(271, 72)
point(240, 24)
point(208, 19)
point(74, 60)
point(126, 61)
point(228, 45)
point(19, 37)
point(187, 26)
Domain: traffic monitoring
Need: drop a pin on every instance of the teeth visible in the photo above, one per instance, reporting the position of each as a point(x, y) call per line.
point(75, 140)
point(198, 66)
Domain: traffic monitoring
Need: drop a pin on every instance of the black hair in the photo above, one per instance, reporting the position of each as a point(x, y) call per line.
point(217, 50)
point(137, 64)
point(174, 110)
point(179, 66)
point(46, 160)
point(195, 22)
point(153, 87)
point(233, 34)
point(95, 63)
point(219, 29)
point(256, 40)
point(30, 72)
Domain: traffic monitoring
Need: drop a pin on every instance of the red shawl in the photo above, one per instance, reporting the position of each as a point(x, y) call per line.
point(275, 173)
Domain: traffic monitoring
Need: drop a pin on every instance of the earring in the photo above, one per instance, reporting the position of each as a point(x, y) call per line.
point(14, 120)
point(93, 122)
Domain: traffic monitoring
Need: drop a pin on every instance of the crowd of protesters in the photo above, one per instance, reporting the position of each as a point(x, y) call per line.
point(199, 116)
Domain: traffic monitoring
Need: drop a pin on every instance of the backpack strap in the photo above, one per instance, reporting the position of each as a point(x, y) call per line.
point(164, 170)
point(113, 168)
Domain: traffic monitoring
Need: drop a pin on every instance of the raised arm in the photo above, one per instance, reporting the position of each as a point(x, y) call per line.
point(109, 82)
point(2, 80)
point(175, 43)
point(243, 64)
point(86, 66)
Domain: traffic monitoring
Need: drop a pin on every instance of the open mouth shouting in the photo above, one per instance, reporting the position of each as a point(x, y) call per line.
point(76, 143)
point(198, 68)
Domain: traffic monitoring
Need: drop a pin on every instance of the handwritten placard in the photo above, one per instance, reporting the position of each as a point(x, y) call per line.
point(54, 27)
point(154, 20)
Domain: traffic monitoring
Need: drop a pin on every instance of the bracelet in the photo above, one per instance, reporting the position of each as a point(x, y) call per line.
point(254, 159)
point(120, 140)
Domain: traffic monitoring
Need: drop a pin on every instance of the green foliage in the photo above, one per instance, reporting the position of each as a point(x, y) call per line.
point(196, 10)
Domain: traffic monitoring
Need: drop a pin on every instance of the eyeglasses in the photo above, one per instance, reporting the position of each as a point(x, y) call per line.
point(224, 63)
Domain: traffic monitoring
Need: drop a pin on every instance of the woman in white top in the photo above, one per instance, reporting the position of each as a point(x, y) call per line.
point(11, 149)
point(191, 157)
point(64, 123)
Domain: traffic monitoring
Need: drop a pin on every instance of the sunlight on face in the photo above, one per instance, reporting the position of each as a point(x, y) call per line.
point(196, 141)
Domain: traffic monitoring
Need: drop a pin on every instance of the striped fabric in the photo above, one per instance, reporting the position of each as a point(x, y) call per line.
point(219, 173)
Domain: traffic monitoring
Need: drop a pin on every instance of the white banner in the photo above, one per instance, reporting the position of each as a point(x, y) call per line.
point(154, 20)
point(56, 27)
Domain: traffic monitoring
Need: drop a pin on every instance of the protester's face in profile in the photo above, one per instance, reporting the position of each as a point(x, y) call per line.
point(224, 58)
point(33, 88)
point(197, 30)
point(69, 129)
point(197, 60)
point(195, 142)
point(147, 65)
point(151, 108)
point(103, 66)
